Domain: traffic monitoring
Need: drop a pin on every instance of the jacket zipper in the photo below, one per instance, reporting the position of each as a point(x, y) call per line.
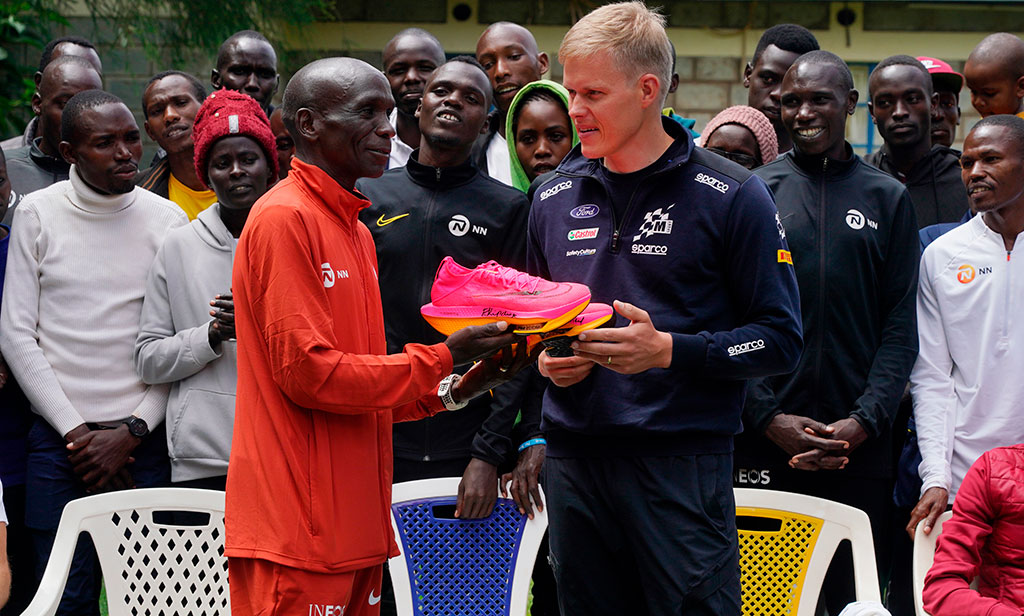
point(1004, 340)
point(822, 292)
point(424, 277)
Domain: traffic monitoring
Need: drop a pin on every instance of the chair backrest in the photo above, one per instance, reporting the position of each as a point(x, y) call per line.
point(924, 556)
point(161, 551)
point(452, 566)
point(786, 544)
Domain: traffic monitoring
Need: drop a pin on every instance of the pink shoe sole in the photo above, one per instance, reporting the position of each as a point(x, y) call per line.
point(450, 320)
point(558, 340)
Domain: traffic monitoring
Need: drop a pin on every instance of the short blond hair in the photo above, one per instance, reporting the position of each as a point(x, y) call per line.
point(631, 33)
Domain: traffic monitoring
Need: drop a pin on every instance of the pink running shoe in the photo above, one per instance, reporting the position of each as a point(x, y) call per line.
point(557, 341)
point(461, 297)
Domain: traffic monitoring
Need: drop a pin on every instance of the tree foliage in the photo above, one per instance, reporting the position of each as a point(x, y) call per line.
point(184, 25)
point(22, 23)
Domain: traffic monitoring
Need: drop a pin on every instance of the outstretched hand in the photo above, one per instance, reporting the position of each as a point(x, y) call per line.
point(476, 342)
point(498, 369)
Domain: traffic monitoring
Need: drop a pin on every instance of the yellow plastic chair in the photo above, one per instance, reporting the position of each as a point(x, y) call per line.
point(786, 544)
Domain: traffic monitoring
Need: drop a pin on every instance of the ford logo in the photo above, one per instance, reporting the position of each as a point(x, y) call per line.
point(585, 211)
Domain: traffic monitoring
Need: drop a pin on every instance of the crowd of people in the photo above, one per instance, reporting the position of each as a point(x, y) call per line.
point(244, 313)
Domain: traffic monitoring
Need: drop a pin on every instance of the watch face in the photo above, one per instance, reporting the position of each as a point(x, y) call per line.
point(138, 427)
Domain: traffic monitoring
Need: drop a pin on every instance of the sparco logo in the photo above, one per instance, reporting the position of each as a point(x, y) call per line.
point(554, 190)
point(715, 183)
point(649, 249)
point(588, 210)
point(583, 234)
point(746, 347)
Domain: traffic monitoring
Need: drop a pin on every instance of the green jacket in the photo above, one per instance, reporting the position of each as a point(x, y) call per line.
point(519, 178)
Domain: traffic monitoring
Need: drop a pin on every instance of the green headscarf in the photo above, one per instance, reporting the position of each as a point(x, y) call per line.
point(519, 178)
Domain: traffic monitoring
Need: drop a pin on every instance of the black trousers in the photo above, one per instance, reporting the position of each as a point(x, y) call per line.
point(654, 535)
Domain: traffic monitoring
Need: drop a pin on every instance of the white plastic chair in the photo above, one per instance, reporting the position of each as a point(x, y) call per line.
point(164, 566)
point(786, 544)
point(924, 556)
point(452, 566)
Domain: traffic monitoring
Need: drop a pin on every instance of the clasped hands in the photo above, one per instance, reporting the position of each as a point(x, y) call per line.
point(813, 445)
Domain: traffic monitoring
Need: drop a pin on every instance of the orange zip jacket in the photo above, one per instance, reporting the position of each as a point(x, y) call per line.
point(309, 479)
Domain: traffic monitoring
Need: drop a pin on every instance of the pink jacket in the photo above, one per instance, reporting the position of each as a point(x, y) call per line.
point(984, 539)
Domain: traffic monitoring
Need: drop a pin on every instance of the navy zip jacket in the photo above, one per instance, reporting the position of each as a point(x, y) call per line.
point(856, 251)
point(698, 247)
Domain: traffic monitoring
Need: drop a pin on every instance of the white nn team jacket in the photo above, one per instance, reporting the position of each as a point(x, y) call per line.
point(968, 382)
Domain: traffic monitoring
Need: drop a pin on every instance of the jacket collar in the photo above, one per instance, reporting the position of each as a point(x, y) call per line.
point(325, 192)
point(925, 168)
point(45, 161)
point(830, 167)
point(576, 163)
point(439, 177)
point(87, 199)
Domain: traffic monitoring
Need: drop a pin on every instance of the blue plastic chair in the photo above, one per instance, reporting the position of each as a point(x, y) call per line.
point(452, 567)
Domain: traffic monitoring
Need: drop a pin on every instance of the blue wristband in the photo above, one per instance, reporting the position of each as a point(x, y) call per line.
point(531, 443)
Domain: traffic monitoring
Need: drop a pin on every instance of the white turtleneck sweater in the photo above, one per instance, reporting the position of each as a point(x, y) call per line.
point(76, 275)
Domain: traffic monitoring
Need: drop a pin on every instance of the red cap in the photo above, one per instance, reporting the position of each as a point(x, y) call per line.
point(226, 112)
point(943, 76)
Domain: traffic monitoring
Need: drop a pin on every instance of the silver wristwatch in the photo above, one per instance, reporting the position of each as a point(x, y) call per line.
point(444, 392)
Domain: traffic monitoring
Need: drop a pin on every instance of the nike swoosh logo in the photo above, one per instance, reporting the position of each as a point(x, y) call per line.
point(375, 600)
point(383, 222)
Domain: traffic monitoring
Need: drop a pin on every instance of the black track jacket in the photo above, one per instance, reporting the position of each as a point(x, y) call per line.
point(420, 215)
point(853, 235)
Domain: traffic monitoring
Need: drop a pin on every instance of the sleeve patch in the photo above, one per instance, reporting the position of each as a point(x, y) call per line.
point(785, 257)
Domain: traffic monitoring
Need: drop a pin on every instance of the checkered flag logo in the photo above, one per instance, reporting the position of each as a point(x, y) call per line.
point(655, 222)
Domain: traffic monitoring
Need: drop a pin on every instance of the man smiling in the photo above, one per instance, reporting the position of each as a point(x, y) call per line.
point(309, 479)
point(415, 220)
point(855, 249)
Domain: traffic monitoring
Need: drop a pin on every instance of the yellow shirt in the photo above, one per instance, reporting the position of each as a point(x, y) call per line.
point(191, 201)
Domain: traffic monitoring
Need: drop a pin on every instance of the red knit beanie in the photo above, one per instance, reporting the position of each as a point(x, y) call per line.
point(752, 119)
point(224, 113)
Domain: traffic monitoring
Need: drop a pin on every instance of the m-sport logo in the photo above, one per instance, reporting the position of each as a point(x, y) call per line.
point(656, 221)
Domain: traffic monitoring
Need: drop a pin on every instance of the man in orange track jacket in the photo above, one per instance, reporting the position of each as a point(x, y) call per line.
point(309, 480)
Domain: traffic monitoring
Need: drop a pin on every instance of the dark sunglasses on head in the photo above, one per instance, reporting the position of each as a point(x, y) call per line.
point(744, 160)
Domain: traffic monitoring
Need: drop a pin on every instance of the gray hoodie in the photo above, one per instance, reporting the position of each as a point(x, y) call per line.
point(192, 266)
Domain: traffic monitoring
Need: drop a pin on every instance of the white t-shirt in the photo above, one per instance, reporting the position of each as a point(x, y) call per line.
point(399, 150)
point(499, 166)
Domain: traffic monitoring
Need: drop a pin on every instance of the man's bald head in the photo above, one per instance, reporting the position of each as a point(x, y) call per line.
point(337, 110)
point(506, 30)
point(418, 37)
point(62, 78)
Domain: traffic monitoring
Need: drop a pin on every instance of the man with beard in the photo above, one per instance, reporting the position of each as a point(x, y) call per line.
point(825, 428)
point(40, 164)
point(778, 48)
point(509, 54)
point(170, 103)
point(409, 60)
point(79, 256)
